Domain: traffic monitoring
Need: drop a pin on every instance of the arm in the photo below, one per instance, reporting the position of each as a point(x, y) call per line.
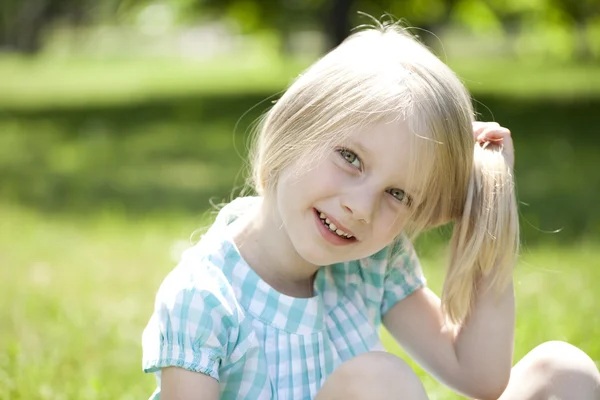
point(192, 332)
point(181, 384)
point(474, 359)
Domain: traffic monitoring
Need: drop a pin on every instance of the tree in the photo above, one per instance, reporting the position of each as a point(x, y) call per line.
point(580, 12)
point(24, 22)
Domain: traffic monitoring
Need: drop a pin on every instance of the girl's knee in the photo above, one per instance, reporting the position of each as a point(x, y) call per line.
point(564, 368)
point(558, 357)
point(373, 375)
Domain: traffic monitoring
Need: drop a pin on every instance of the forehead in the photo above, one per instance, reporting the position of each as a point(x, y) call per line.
point(388, 139)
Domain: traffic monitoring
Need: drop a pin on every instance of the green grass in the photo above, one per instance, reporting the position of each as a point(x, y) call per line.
point(56, 83)
point(80, 83)
point(528, 80)
point(557, 299)
point(76, 293)
point(107, 167)
point(177, 154)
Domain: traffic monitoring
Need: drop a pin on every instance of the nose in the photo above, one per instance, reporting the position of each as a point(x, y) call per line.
point(360, 204)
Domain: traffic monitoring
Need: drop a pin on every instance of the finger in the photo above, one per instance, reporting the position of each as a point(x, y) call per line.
point(479, 127)
point(494, 134)
point(484, 123)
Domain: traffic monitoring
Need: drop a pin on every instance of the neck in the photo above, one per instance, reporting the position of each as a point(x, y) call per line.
point(264, 244)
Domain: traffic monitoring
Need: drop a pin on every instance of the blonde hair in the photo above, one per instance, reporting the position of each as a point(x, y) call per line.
point(385, 74)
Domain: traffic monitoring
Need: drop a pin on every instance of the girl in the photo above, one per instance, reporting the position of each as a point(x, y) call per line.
point(284, 296)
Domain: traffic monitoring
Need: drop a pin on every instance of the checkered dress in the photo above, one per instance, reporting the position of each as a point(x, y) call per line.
point(214, 315)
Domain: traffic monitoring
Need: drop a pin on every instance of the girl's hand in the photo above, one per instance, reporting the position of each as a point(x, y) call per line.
point(492, 132)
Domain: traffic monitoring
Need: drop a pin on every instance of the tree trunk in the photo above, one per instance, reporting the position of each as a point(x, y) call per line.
point(582, 45)
point(22, 31)
point(337, 22)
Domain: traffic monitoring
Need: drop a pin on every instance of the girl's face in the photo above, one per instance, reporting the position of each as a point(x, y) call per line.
point(359, 190)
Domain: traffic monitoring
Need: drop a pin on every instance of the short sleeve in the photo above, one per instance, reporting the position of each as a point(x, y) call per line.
point(403, 274)
point(195, 323)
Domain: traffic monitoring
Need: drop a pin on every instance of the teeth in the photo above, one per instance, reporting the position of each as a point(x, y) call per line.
point(333, 228)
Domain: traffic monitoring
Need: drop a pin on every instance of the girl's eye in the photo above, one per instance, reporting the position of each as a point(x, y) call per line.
point(401, 196)
point(350, 157)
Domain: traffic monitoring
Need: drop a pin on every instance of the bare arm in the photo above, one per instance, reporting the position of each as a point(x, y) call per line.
point(181, 384)
point(474, 359)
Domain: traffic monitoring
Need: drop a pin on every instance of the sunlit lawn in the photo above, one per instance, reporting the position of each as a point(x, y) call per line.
point(107, 169)
point(55, 83)
point(75, 294)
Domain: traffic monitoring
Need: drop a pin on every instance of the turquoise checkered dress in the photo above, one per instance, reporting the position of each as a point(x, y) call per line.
point(214, 315)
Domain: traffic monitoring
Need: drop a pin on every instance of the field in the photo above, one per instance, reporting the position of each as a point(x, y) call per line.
point(79, 292)
point(99, 197)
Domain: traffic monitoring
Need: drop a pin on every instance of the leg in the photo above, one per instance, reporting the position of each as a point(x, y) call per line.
point(554, 370)
point(375, 375)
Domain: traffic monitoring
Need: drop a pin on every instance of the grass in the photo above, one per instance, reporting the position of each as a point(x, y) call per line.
point(107, 167)
point(57, 83)
point(555, 301)
point(83, 83)
point(177, 154)
point(77, 292)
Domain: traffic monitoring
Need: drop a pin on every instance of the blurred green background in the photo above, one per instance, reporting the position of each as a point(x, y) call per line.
point(122, 121)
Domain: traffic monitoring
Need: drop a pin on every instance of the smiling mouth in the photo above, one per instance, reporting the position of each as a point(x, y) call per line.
point(331, 226)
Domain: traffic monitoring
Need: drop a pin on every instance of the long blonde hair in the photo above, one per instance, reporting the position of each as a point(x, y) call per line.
point(385, 74)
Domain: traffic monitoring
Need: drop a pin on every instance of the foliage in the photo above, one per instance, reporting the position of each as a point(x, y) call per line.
point(573, 24)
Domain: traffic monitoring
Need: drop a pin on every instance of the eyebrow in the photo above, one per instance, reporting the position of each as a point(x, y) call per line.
point(359, 147)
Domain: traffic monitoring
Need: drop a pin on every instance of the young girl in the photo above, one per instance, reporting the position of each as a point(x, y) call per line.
point(284, 297)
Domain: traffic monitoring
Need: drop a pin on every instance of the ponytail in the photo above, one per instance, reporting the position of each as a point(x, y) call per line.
point(485, 239)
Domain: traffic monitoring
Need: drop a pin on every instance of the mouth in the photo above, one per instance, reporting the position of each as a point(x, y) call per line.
point(332, 228)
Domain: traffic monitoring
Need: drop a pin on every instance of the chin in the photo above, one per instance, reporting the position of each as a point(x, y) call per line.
point(315, 253)
point(320, 256)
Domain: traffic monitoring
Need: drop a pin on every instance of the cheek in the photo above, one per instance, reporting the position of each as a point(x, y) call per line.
point(325, 178)
point(296, 188)
point(390, 223)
